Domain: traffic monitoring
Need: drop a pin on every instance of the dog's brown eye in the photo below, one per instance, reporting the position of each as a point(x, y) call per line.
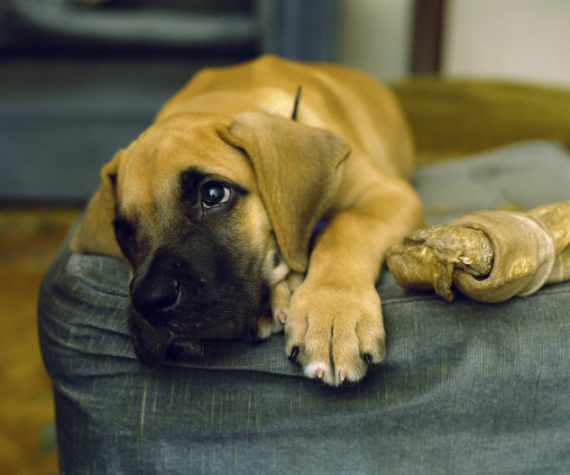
point(215, 194)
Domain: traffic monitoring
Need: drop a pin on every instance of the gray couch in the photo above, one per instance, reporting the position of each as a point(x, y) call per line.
point(466, 387)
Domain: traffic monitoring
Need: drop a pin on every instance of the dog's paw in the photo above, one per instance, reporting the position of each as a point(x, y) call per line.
point(281, 294)
point(336, 334)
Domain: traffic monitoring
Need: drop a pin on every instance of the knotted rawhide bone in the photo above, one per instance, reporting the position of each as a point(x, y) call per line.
point(490, 256)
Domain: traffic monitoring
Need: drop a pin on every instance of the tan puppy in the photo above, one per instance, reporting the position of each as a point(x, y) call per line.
point(215, 204)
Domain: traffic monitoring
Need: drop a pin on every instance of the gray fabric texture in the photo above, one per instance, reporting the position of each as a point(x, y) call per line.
point(466, 388)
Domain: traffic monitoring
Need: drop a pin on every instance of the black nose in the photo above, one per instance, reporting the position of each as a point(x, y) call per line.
point(155, 299)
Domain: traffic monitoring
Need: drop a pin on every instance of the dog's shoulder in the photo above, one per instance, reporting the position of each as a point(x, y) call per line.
point(343, 100)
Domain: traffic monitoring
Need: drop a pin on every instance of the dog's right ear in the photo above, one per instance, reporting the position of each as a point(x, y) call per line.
point(95, 234)
point(297, 169)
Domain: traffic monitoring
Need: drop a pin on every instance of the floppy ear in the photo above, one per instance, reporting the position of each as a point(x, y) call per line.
point(297, 168)
point(95, 234)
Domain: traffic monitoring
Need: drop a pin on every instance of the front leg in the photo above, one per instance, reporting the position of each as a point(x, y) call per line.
point(335, 328)
point(281, 293)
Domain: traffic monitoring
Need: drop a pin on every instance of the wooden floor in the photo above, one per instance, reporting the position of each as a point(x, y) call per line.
point(29, 238)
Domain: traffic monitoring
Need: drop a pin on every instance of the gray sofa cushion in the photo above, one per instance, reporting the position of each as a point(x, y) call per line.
point(466, 387)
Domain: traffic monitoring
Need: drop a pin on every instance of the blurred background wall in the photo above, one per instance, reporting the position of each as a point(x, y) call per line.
point(523, 40)
point(377, 37)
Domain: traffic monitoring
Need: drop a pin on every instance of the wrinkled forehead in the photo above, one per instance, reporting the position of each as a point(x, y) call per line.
point(150, 170)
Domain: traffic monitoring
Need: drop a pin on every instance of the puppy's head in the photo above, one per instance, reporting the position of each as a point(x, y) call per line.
point(209, 217)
